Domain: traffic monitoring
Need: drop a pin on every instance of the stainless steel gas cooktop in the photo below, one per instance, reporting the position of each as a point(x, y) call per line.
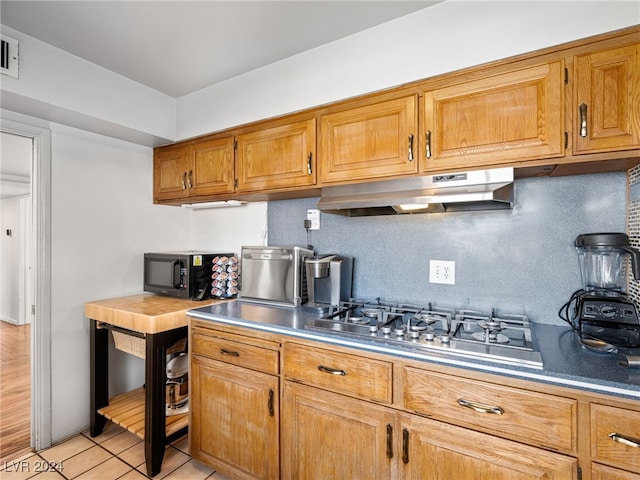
point(504, 338)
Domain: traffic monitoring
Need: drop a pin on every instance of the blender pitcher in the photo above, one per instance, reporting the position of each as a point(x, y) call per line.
point(602, 258)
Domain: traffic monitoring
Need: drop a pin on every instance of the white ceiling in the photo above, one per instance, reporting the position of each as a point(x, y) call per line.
point(178, 47)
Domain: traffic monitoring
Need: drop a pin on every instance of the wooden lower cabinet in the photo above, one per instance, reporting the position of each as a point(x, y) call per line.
point(602, 472)
point(330, 436)
point(434, 450)
point(235, 419)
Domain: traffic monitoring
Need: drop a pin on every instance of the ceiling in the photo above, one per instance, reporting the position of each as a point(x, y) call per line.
point(178, 47)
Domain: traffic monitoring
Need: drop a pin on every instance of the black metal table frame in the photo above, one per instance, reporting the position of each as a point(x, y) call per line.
point(156, 344)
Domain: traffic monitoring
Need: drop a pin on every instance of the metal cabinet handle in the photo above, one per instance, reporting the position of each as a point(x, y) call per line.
point(309, 158)
point(270, 402)
point(630, 442)
point(405, 446)
point(332, 371)
point(184, 181)
point(389, 441)
point(232, 353)
point(583, 119)
point(410, 154)
point(190, 178)
point(480, 407)
point(428, 143)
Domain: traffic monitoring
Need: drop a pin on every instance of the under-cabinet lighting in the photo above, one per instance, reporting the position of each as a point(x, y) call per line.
point(204, 205)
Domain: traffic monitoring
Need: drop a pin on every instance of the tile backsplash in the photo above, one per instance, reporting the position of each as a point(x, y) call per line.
point(633, 227)
point(517, 261)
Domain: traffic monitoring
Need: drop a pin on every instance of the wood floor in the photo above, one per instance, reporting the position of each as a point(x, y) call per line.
point(15, 389)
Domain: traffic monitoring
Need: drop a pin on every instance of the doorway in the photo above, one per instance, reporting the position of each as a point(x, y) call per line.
point(36, 306)
point(16, 296)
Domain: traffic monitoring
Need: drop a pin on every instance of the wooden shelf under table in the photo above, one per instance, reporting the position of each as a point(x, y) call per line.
point(127, 410)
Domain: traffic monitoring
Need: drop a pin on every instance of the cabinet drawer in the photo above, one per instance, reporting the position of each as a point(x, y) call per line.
point(343, 373)
point(534, 418)
point(615, 437)
point(228, 350)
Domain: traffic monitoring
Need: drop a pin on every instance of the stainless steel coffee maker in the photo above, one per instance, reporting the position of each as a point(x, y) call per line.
point(329, 279)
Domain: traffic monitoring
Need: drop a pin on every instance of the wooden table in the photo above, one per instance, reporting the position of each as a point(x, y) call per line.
point(161, 322)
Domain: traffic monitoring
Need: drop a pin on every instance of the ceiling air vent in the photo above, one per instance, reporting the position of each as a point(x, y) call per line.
point(9, 56)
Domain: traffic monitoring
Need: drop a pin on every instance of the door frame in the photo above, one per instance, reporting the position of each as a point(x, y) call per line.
point(38, 130)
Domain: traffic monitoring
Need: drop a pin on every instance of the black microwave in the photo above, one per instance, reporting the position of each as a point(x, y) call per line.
point(181, 274)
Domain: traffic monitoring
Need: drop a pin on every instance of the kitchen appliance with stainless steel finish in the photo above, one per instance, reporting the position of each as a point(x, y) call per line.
point(504, 338)
point(273, 275)
point(329, 279)
point(177, 401)
point(603, 309)
point(490, 189)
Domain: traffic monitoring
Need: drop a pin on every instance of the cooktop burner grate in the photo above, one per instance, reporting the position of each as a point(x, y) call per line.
point(505, 338)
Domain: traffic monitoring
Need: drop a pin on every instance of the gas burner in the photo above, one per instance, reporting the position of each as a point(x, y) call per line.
point(359, 320)
point(490, 337)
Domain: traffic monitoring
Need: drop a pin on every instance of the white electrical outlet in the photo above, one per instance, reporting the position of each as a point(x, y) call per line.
point(313, 216)
point(442, 271)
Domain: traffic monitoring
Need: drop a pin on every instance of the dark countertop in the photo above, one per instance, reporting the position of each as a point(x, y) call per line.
point(566, 362)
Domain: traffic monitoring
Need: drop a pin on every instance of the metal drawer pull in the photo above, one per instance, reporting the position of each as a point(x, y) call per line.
point(583, 119)
point(480, 407)
point(389, 441)
point(405, 446)
point(428, 143)
point(270, 403)
point(631, 442)
point(410, 155)
point(309, 158)
point(224, 351)
point(184, 181)
point(332, 371)
point(190, 178)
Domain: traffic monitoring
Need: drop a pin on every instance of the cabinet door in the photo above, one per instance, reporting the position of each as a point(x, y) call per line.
point(369, 142)
point(328, 436)
point(615, 437)
point(439, 451)
point(607, 100)
point(170, 167)
point(602, 472)
point(512, 116)
point(211, 170)
point(234, 418)
point(277, 158)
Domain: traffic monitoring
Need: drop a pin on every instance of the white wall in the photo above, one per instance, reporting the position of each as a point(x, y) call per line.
point(103, 221)
point(9, 259)
point(446, 37)
point(57, 86)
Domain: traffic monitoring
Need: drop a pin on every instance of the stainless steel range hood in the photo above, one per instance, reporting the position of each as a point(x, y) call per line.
point(449, 192)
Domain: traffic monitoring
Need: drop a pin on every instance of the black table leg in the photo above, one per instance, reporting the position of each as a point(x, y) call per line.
point(155, 415)
point(99, 383)
point(155, 421)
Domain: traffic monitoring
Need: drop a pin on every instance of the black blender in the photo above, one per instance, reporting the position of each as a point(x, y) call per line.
point(603, 310)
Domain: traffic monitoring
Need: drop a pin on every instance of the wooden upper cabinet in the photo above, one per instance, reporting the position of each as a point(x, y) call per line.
point(196, 169)
point(369, 142)
point(276, 158)
point(170, 166)
point(518, 115)
point(607, 100)
point(211, 171)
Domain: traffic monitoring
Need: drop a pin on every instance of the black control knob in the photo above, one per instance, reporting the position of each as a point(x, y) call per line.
point(608, 311)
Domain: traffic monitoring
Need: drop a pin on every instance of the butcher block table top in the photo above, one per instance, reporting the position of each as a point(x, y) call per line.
point(145, 313)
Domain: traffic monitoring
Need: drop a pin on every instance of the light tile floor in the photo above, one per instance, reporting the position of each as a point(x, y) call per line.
point(115, 454)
